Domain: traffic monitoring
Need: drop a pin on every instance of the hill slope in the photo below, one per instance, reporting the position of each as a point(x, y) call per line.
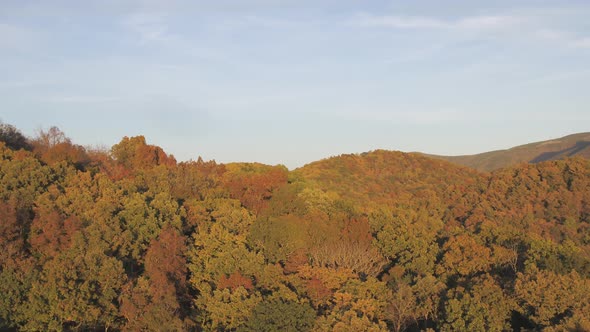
point(384, 177)
point(560, 148)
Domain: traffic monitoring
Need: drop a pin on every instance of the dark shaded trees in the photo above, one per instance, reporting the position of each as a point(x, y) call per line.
point(13, 138)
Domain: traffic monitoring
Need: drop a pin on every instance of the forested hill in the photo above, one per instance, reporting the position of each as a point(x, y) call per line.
point(560, 148)
point(129, 239)
point(382, 177)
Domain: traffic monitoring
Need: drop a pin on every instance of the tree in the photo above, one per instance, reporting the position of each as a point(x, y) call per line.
point(13, 138)
point(215, 256)
point(408, 238)
point(142, 218)
point(280, 237)
point(12, 235)
point(135, 154)
point(197, 180)
point(357, 306)
point(428, 292)
point(402, 311)
point(549, 299)
point(53, 146)
point(254, 184)
point(15, 283)
point(159, 299)
point(51, 232)
point(22, 179)
point(464, 256)
point(77, 289)
point(352, 250)
point(481, 307)
point(276, 314)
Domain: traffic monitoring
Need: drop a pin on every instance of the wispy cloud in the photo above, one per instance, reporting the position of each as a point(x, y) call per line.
point(149, 27)
point(564, 38)
point(581, 43)
point(408, 116)
point(399, 22)
point(422, 22)
point(488, 22)
point(557, 78)
point(256, 21)
point(23, 84)
point(74, 99)
point(522, 27)
point(154, 29)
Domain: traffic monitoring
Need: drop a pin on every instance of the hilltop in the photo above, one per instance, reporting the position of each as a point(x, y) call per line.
point(555, 149)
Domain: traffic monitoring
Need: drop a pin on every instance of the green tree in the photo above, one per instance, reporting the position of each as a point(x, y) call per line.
point(77, 289)
point(276, 314)
point(549, 299)
point(482, 307)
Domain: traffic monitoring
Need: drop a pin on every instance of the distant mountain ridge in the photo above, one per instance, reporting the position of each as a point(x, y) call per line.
point(555, 149)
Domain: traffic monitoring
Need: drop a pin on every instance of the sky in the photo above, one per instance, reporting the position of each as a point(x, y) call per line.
point(291, 82)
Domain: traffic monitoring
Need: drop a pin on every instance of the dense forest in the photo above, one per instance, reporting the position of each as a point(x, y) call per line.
point(129, 239)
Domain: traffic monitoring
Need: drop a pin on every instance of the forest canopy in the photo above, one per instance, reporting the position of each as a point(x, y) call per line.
point(128, 239)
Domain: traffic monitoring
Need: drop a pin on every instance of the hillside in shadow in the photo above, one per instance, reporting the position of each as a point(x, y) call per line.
point(556, 149)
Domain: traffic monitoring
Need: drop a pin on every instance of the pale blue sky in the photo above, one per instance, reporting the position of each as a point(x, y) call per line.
point(295, 81)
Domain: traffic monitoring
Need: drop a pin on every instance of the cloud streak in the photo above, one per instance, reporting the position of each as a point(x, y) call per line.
point(408, 116)
point(581, 43)
point(522, 27)
point(564, 38)
point(421, 22)
point(80, 99)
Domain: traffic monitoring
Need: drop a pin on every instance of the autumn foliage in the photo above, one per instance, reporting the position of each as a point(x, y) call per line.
point(127, 239)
